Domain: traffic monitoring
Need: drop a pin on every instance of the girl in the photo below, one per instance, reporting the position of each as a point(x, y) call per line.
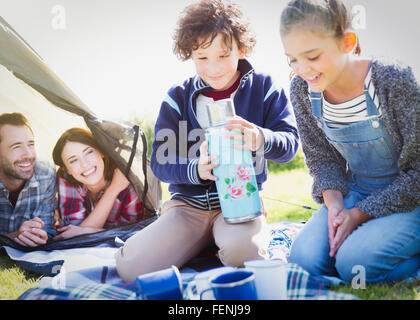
point(358, 123)
point(93, 195)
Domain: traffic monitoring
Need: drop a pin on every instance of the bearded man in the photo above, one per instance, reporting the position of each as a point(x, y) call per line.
point(27, 185)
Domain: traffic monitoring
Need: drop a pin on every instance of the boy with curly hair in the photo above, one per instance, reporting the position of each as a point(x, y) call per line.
point(215, 35)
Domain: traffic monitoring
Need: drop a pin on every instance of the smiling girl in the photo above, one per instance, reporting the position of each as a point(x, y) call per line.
point(358, 123)
point(93, 194)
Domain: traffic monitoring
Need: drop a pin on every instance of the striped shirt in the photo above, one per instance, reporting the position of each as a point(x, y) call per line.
point(75, 204)
point(36, 199)
point(355, 110)
point(208, 201)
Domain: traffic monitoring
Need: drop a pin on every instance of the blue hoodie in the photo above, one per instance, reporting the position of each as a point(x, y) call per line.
point(256, 100)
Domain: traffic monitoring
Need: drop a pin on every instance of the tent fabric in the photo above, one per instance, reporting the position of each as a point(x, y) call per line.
point(85, 240)
point(28, 86)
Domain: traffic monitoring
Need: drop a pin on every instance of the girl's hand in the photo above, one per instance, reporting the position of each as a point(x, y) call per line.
point(68, 231)
point(205, 166)
point(251, 137)
point(71, 231)
point(119, 181)
point(347, 221)
point(333, 200)
point(333, 222)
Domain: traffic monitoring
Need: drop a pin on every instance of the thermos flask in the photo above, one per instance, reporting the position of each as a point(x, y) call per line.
point(236, 185)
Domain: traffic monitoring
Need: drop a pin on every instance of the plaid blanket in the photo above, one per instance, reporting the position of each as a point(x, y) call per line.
point(104, 284)
point(301, 285)
point(89, 291)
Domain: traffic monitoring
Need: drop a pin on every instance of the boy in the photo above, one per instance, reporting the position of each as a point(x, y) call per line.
point(216, 37)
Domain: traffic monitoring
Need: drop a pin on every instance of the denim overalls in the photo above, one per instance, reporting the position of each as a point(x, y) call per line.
point(386, 248)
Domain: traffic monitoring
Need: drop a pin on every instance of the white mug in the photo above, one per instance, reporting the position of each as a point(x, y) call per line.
point(270, 278)
point(201, 282)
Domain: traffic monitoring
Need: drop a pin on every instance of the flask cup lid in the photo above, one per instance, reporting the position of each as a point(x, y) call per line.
point(218, 112)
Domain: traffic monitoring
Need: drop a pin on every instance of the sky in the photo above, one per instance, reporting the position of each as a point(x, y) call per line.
point(116, 56)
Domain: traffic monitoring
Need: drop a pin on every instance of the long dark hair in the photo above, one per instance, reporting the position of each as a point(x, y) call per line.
point(83, 136)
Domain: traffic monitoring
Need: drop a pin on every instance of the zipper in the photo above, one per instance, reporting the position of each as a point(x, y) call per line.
point(191, 102)
point(200, 90)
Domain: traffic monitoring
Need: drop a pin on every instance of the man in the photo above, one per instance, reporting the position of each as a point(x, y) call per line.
point(27, 187)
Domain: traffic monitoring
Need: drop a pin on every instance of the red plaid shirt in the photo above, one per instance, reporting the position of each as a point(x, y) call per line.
point(75, 205)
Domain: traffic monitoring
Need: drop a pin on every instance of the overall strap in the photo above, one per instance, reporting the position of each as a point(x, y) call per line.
point(316, 101)
point(372, 109)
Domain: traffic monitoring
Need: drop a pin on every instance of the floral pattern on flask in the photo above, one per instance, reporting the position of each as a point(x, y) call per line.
point(240, 185)
point(243, 173)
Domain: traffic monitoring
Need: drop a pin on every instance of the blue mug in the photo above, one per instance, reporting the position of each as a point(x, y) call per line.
point(234, 285)
point(201, 282)
point(160, 285)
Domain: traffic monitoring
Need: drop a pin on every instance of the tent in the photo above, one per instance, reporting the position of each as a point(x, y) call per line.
point(29, 86)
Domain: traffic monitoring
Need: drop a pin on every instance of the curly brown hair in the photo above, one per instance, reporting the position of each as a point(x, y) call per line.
point(201, 22)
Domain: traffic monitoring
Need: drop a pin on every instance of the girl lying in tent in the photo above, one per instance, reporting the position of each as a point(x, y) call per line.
point(93, 194)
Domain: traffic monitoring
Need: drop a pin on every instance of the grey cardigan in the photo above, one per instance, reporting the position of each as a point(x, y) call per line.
point(399, 98)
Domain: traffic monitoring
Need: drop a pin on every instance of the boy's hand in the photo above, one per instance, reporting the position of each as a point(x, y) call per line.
point(251, 137)
point(205, 166)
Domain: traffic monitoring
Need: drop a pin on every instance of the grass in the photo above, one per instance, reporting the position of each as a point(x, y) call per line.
point(285, 191)
point(285, 194)
point(384, 291)
point(14, 281)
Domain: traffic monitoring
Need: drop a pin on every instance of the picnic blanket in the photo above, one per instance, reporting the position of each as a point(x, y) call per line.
point(300, 285)
point(90, 273)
